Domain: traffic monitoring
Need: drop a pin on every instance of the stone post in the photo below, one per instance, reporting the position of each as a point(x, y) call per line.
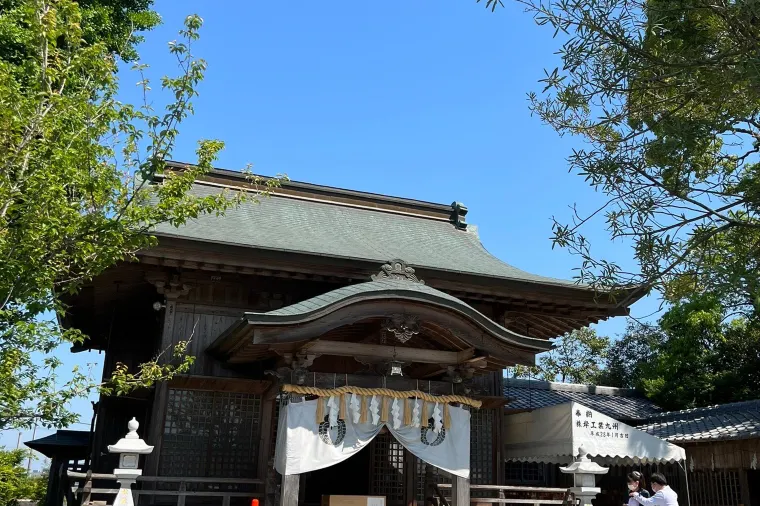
point(130, 447)
point(584, 472)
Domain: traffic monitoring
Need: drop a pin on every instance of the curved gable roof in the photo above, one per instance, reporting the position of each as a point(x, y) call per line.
point(313, 318)
point(398, 289)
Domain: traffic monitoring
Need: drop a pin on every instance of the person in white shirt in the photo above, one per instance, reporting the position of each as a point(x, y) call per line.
point(663, 494)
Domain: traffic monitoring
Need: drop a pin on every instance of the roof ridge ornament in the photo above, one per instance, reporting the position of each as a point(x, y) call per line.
point(458, 213)
point(397, 269)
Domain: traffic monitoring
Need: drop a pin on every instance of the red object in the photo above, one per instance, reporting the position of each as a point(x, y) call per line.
point(254, 502)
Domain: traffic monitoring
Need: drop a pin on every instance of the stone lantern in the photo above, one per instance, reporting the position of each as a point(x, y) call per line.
point(584, 472)
point(129, 448)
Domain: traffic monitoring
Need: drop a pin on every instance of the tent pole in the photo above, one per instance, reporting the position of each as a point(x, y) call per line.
point(686, 474)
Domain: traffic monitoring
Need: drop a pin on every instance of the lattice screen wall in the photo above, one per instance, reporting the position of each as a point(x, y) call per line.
point(437, 477)
point(526, 473)
point(387, 468)
point(481, 447)
point(210, 434)
point(714, 488)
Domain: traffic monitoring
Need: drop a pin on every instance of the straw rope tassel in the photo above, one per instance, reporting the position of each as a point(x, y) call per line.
point(384, 408)
point(342, 411)
point(364, 410)
point(407, 412)
point(320, 410)
point(446, 417)
point(425, 415)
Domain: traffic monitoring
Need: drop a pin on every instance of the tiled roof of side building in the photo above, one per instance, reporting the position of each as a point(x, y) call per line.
point(622, 404)
point(63, 442)
point(738, 420)
point(334, 229)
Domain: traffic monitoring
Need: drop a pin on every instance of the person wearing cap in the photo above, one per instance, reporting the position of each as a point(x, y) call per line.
point(663, 494)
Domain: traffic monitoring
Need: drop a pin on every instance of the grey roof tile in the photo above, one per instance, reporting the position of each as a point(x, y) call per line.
point(283, 223)
point(621, 404)
point(738, 420)
point(368, 287)
point(64, 442)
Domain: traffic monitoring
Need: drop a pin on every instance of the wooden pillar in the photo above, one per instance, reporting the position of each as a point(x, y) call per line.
point(498, 433)
point(410, 478)
point(744, 485)
point(53, 496)
point(265, 464)
point(155, 431)
point(460, 491)
point(268, 400)
point(289, 493)
point(429, 487)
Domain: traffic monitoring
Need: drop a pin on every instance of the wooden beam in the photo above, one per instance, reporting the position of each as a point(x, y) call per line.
point(218, 384)
point(403, 354)
point(401, 383)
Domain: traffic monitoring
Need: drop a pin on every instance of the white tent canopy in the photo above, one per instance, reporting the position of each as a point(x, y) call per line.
point(554, 434)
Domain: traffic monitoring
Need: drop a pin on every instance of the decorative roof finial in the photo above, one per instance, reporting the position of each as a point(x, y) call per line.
point(397, 269)
point(459, 211)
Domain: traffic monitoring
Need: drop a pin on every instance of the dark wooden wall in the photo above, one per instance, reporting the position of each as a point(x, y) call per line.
point(722, 454)
point(214, 302)
point(722, 472)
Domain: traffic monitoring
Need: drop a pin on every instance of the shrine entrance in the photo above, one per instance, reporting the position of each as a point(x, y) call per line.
point(384, 468)
point(377, 470)
point(350, 477)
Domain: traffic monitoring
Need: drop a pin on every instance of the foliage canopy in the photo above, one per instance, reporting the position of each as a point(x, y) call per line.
point(82, 184)
point(665, 96)
point(577, 357)
point(15, 482)
point(693, 357)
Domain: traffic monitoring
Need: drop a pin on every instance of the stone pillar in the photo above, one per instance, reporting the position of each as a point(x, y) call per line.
point(584, 473)
point(129, 448)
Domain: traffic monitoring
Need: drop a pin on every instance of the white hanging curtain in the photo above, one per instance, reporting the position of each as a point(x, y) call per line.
point(304, 445)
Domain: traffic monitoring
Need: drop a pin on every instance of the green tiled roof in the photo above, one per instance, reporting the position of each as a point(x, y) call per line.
point(287, 224)
point(388, 289)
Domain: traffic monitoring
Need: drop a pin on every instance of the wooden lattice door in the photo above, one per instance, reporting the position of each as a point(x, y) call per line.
point(386, 470)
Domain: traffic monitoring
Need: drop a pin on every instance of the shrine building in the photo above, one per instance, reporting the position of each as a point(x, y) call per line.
point(346, 343)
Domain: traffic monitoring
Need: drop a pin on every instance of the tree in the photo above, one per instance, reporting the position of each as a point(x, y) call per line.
point(664, 95)
point(114, 23)
point(15, 482)
point(576, 358)
point(82, 184)
point(627, 356)
point(694, 357)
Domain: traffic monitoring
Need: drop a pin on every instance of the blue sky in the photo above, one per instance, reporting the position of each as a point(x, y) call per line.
point(419, 99)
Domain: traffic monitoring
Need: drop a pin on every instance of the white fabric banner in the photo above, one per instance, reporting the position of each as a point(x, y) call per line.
point(303, 445)
point(554, 434)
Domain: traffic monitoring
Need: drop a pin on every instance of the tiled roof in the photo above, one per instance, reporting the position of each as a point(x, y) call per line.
point(289, 224)
point(68, 443)
point(619, 403)
point(738, 420)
